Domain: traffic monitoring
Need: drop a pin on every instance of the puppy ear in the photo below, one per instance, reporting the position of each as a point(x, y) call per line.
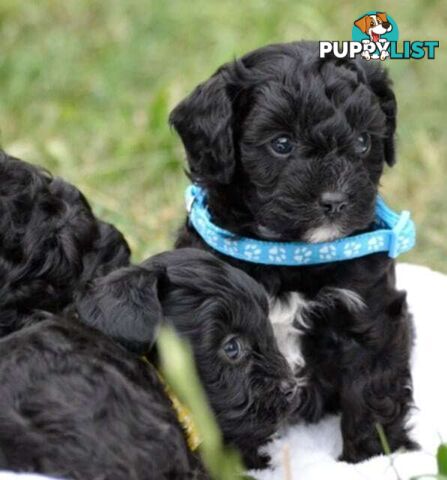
point(381, 85)
point(383, 90)
point(362, 23)
point(204, 122)
point(125, 306)
point(382, 16)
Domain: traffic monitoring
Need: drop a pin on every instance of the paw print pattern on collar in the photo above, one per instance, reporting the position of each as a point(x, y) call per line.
point(392, 233)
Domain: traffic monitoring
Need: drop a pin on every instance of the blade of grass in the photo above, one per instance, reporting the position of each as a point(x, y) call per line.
point(441, 458)
point(383, 440)
point(386, 448)
point(177, 365)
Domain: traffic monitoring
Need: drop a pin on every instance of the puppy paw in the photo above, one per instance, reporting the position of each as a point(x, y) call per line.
point(384, 55)
point(366, 55)
point(355, 457)
point(353, 454)
point(262, 461)
point(258, 461)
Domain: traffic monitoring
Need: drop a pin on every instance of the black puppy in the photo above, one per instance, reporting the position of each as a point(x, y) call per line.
point(291, 147)
point(74, 404)
point(223, 314)
point(50, 242)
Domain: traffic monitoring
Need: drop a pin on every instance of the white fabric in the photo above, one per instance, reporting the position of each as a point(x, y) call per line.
point(22, 476)
point(309, 453)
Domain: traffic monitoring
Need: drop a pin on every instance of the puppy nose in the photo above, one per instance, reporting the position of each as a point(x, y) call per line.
point(333, 202)
point(385, 24)
point(288, 389)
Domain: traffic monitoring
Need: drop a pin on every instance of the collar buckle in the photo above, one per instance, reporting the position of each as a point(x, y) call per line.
point(190, 198)
point(397, 233)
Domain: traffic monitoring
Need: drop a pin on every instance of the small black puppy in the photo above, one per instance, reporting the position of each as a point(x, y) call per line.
point(50, 242)
point(291, 147)
point(223, 314)
point(75, 404)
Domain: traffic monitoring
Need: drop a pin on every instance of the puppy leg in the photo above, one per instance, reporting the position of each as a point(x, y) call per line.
point(360, 357)
point(255, 460)
point(381, 396)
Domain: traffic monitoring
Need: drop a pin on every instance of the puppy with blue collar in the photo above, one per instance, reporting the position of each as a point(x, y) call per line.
point(285, 151)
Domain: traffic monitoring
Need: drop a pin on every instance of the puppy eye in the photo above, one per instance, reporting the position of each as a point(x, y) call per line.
point(232, 349)
point(362, 144)
point(282, 145)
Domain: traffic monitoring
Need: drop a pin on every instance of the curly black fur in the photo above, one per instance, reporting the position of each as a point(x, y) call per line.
point(356, 362)
point(50, 242)
point(207, 302)
point(76, 405)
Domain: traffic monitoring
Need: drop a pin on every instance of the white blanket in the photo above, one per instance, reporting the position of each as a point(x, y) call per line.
point(310, 452)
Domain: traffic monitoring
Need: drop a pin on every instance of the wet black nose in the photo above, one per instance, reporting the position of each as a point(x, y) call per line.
point(288, 389)
point(333, 202)
point(385, 24)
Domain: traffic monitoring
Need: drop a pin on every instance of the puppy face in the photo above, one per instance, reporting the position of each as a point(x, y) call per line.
point(374, 25)
point(222, 313)
point(292, 144)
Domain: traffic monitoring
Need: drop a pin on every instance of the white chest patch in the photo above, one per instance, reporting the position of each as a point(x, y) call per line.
point(289, 318)
point(286, 316)
point(325, 233)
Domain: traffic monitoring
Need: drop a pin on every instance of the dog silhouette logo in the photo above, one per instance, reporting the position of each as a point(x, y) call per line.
point(375, 28)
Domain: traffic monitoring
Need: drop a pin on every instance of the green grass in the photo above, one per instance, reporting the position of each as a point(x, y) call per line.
point(86, 87)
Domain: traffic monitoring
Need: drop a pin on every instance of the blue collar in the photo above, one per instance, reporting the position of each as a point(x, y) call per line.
point(392, 233)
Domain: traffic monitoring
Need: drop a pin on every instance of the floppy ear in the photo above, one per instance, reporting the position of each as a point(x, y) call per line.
point(382, 88)
point(382, 16)
point(125, 306)
point(362, 23)
point(379, 82)
point(204, 122)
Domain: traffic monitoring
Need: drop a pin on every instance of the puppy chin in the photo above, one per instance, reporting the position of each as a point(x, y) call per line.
point(325, 233)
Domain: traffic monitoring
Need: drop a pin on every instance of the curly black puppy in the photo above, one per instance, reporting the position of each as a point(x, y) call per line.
point(50, 242)
point(291, 147)
point(75, 404)
point(223, 314)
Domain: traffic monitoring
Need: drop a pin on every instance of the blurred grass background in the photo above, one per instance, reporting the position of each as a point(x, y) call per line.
point(86, 87)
